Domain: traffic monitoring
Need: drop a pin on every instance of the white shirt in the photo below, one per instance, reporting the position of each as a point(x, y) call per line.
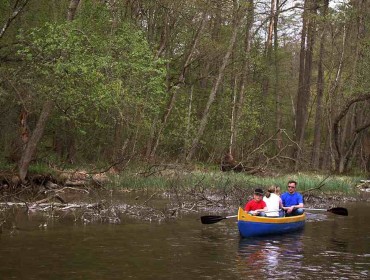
point(273, 204)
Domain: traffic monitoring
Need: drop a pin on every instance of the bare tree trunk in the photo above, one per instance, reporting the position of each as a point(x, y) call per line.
point(278, 103)
point(73, 4)
point(214, 90)
point(320, 94)
point(343, 154)
point(31, 145)
point(334, 88)
point(305, 81)
point(245, 69)
point(187, 132)
point(17, 9)
point(299, 117)
point(268, 49)
point(175, 88)
point(233, 113)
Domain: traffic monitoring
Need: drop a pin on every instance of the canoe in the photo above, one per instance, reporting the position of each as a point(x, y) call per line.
point(250, 226)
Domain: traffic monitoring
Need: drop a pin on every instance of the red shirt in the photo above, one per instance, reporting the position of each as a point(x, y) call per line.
point(254, 205)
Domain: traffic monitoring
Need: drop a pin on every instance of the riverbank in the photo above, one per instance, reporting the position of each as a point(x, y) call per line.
point(161, 193)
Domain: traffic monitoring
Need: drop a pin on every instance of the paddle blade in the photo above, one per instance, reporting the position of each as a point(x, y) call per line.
point(339, 211)
point(211, 219)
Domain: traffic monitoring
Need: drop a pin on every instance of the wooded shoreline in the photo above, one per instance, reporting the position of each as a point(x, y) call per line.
point(257, 85)
point(164, 195)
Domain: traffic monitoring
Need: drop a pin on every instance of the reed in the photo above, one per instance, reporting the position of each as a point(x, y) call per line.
point(224, 181)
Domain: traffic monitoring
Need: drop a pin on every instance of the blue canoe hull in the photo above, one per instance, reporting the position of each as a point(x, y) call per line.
point(251, 226)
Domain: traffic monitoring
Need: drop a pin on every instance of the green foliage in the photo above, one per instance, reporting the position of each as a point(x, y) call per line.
point(91, 77)
point(86, 72)
point(110, 91)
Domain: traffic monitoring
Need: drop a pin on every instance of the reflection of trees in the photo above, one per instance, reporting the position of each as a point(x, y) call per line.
point(269, 257)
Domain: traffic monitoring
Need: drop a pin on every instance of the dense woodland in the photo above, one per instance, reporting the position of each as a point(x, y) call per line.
point(267, 84)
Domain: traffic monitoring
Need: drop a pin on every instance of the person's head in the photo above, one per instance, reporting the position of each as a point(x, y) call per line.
point(270, 190)
point(258, 194)
point(277, 190)
point(292, 185)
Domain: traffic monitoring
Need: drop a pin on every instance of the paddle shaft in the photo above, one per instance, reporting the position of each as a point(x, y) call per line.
point(228, 217)
point(335, 210)
point(215, 219)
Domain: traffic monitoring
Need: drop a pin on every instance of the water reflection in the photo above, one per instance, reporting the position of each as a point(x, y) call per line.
point(329, 247)
point(270, 257)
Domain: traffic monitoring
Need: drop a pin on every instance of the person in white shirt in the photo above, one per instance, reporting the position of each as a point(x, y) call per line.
point(273, 202)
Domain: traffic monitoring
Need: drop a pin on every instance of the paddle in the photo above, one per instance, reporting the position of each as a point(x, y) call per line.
point(335, 210)
point(211, 219)
point(214, 219)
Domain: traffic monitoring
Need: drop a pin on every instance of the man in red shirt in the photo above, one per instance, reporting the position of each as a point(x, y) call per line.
point(256, 206)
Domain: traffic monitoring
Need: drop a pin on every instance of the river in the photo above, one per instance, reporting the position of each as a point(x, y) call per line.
point(329, 247)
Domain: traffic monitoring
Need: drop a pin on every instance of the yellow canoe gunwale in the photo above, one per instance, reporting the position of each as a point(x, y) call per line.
point(244, 216)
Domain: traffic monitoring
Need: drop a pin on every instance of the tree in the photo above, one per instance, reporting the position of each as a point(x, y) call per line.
point(305, 73)
point(320, 90)
point(16, 9)
point(238, 13)
point(344, 152)
point(69, 63)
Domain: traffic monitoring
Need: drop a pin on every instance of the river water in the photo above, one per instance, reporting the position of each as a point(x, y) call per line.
point(329, 247)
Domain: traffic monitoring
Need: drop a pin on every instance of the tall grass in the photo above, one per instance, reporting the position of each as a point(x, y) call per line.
point(218, 180)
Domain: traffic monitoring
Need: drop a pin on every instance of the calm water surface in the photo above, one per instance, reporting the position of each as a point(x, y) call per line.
point(330, 247)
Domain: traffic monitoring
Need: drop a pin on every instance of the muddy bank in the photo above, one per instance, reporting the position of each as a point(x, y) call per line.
point(85, 205)
point(84, 198)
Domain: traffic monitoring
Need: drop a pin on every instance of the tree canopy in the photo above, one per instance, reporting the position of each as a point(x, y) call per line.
point(274, 84)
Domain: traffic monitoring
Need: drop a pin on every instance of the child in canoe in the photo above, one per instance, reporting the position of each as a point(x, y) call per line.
point(273, 202)
point(256, 206)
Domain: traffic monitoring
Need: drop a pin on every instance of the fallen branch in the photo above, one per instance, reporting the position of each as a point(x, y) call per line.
point(50, 198)
point(319, 186)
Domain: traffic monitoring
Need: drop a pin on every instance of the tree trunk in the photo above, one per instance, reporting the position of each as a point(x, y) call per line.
point(299, 118)
point(175, 88)
point(344, 153)
point(31, 146)
point(320, 94)
point(268, 49)
point(245, 69)
point(73, 4)
point(232, 123)
point(212, 96)
point(305, 81)
point(278, 103)
point(17, 9)
point(188, 122)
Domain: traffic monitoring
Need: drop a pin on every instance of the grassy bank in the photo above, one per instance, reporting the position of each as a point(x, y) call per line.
point(307, 182)
point(167, 177)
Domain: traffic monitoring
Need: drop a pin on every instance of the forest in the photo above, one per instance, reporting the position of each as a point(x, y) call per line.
point(246, 84)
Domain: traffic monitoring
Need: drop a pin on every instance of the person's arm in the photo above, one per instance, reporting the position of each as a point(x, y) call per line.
point(299, 202)
point(263, 209)
point(298, 205)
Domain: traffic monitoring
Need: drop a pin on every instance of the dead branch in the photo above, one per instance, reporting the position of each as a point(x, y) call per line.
point(319, 186)
point(55, 196)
